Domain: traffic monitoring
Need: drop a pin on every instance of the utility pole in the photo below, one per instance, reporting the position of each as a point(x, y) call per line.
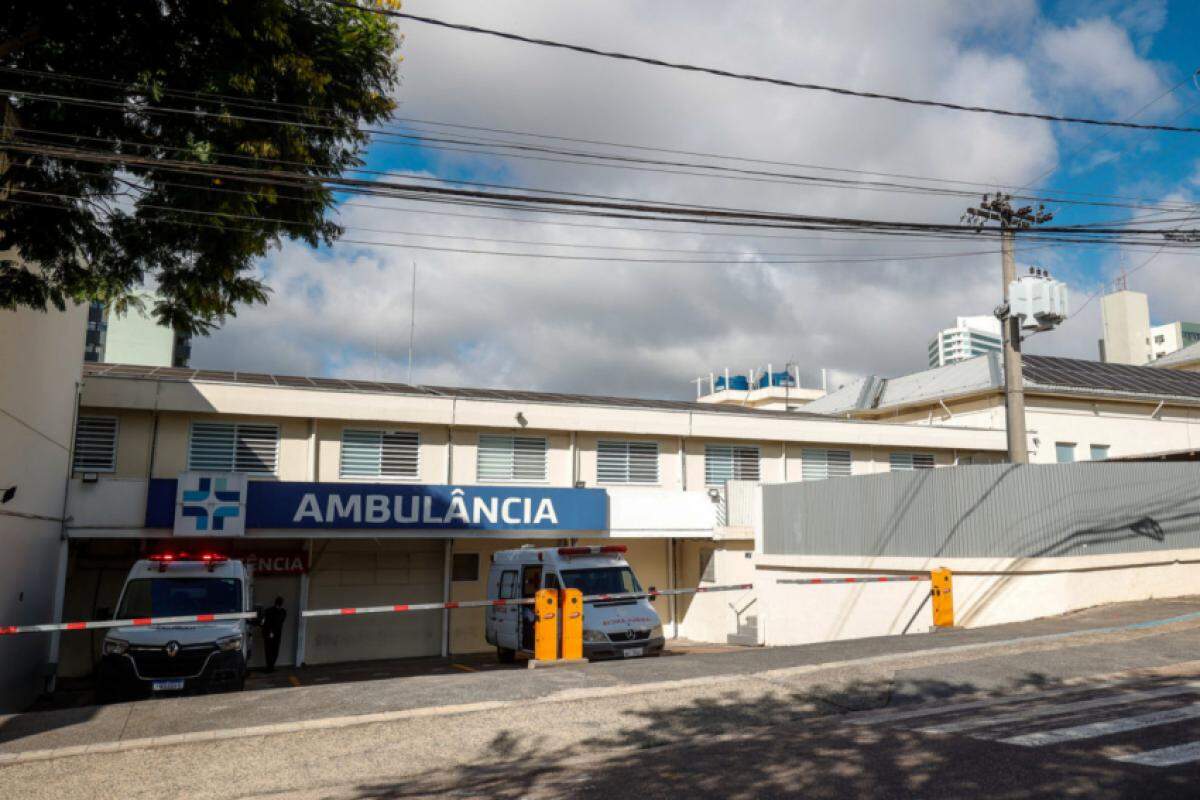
point(999, 209)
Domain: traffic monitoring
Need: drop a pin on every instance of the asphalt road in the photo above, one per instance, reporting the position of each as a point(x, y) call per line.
point(1105, 703)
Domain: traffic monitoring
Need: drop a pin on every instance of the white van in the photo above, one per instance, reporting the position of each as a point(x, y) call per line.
point(611, 628)
point(184, 656)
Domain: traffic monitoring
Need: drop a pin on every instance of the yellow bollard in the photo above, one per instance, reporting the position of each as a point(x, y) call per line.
point(545, 625)
point(943, 598)
point(572, 624)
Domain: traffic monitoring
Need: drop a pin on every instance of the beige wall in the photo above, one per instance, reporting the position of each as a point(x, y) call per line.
point(779, 461)
point(1128, 428)
point(40, 358)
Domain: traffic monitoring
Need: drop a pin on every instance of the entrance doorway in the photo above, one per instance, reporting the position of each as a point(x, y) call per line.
point(266, 589)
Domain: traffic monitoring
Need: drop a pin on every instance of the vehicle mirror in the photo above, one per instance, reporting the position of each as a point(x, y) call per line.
point(104, 613)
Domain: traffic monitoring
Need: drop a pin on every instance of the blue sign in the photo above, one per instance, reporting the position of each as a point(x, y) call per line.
point(375, 506)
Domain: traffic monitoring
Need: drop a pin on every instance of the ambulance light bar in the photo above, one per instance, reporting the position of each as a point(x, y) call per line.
point(210, 559)
point(590, 551)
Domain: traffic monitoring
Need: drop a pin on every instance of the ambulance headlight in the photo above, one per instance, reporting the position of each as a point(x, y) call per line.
point(656, 633)
point(115, 647)
point(230, 643)
point(594, 636)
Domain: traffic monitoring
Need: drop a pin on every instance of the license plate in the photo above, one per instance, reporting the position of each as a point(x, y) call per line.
point(167, 686)
point(632, 652)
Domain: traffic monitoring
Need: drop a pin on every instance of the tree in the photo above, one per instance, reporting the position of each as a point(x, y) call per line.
point(176, 141)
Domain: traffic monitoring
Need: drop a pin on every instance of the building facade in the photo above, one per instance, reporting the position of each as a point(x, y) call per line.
point(41, 353)
point(361, 493)
point(970, 337)
point(1075, 410)
point(1173, 337)
point(133, 338)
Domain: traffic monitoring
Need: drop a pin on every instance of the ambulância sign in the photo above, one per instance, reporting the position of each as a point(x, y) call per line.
point(358, 506)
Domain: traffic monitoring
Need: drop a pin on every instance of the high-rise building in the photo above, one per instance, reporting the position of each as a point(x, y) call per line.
point(1125, 321)
point(133, 338)
point(1174, 336)
point(970, 337)
point(1129, 338)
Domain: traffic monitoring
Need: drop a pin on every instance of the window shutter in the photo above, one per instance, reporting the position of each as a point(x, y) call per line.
point(257, 447)
point(627, 462)
point(225, 447)
point(96, 444)
point(817, 464)
point(907, 462)
point(724, 462)
point(511, 458)
point(380, 454)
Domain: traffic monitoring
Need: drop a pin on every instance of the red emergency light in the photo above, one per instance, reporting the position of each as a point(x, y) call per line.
point(588, 551)
point(210, 559)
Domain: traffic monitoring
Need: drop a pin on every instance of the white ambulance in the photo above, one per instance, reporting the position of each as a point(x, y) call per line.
point(618, 628)
point(178, 657)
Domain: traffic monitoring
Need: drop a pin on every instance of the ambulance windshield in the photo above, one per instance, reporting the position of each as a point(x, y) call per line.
point(180, 597)
point(601, 580)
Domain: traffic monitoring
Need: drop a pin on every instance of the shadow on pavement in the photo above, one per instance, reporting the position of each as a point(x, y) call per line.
point(794, 746)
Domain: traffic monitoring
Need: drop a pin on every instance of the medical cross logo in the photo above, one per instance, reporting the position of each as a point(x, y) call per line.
point(212, 504)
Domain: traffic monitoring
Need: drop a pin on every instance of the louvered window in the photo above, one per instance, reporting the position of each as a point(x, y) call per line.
point(723, 462)
point(627, 462)
point(229, 447)
point(511, 458)
point(380, 454)
point(907, 462)
point(96, 444)
point(817, 465)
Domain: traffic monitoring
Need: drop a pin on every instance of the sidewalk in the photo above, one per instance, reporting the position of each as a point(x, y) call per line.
point(451, 689)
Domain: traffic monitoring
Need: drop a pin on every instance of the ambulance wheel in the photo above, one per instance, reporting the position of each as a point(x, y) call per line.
point(505, 656)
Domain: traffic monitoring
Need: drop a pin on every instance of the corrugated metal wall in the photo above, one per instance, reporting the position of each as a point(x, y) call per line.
point(1000, 510)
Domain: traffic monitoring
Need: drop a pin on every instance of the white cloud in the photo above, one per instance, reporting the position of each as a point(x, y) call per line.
point(1095, 60)
point(648, 329)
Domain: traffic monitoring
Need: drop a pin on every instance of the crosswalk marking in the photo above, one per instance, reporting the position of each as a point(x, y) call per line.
point(930, 710)
point(1123, 698)
point(1096, 729)
point(1165, 756)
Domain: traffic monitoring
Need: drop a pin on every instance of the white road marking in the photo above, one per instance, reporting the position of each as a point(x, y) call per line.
point(1096, 729)
point(1165, 756)
point(1060, 708)
point(931, 709)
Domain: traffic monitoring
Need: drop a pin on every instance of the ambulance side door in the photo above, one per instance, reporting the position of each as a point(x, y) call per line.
point(508, 617)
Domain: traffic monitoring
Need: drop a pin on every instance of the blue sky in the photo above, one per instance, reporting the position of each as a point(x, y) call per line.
point(647, 330)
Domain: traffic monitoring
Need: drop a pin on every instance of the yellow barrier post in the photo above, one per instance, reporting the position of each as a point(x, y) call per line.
point(572, 624)
point(943, 598)
point(545, 625)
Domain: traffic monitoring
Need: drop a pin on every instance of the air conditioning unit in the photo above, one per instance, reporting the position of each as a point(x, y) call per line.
point(1039, 301)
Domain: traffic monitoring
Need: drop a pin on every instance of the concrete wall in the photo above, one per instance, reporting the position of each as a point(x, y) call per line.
point(985, 591)
point(41, 354)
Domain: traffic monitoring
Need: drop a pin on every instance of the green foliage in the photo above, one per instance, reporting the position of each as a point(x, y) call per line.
point(204, 82)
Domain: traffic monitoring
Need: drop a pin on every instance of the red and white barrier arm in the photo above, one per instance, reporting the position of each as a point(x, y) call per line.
point(342, 612)
point(592, 598)
point(863, 579)
point(124, 623)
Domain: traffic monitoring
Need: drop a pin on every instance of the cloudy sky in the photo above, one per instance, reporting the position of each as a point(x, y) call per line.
point(625, 326)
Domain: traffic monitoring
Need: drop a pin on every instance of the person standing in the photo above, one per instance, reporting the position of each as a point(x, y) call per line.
point(272, 628)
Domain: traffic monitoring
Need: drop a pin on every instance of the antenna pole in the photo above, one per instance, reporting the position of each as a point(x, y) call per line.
point(412, 321)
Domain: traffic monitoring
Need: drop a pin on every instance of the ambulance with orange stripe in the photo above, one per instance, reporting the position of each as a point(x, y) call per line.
point(613, 627)
point(179, 656)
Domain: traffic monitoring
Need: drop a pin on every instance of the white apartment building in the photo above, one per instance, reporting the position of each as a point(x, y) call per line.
point(970, 337)
point(133, 338)
point(1172, 337)
point(363, 493)
point(1129, 338)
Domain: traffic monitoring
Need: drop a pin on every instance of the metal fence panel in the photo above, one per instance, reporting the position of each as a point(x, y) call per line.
point(997, 510)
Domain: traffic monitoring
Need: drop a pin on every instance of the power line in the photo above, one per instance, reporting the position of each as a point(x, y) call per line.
point(655, 62)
